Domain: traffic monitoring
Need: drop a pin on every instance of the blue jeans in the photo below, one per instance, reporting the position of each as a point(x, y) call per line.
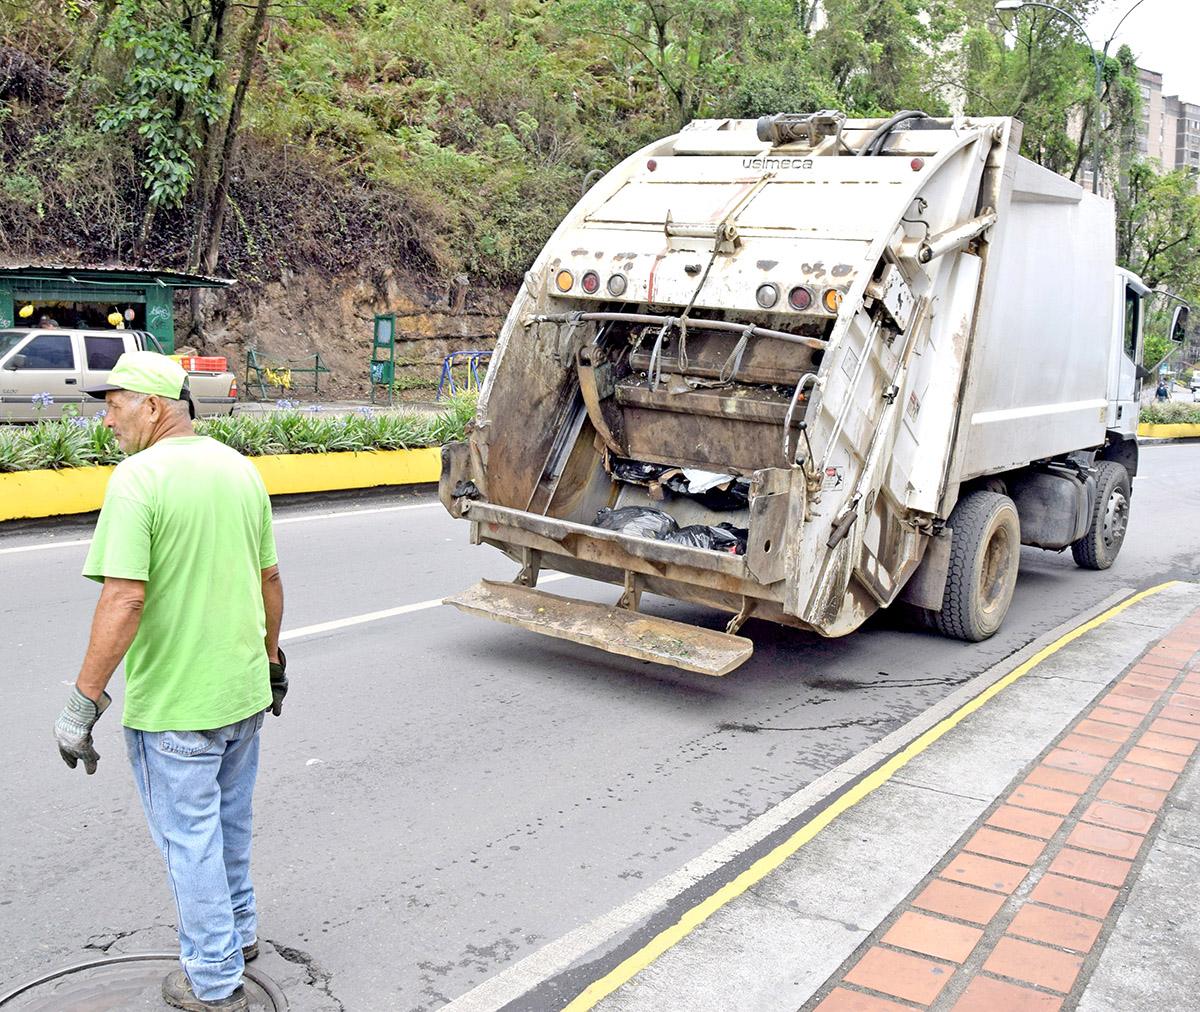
point(196, 788)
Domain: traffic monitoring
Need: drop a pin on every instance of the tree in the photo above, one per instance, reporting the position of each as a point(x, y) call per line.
point(881, 56)
point(215, 192)
point(693, 51)
point(164, 104)
point(1158, 229)
point(1046, 77)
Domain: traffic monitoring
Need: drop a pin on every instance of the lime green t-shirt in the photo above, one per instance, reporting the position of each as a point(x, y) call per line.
point(190, 516)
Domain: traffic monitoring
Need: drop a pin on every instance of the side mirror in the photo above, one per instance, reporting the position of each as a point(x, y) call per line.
point(15, 363)
point(1179, 324)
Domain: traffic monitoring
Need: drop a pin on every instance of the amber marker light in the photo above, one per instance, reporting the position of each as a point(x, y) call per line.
point(832, 299)
point(563, 281)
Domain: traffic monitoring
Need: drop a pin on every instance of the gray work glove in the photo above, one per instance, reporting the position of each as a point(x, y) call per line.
point(279, 684)
point(73, 731)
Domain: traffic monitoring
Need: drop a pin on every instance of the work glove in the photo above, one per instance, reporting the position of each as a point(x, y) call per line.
point(73, 731)
point(279, 684)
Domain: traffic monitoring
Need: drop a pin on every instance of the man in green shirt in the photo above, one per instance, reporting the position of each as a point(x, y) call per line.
point(192, 600)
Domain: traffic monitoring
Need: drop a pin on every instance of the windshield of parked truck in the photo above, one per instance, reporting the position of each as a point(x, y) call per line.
point(9, 339)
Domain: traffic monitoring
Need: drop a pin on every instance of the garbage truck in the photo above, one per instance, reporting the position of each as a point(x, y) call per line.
point(804, 368)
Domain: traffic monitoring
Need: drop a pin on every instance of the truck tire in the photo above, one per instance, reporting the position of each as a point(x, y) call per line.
point(1110, 518)
point(985, 552)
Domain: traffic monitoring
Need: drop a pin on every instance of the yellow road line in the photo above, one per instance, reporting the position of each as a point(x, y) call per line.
point(641, 959)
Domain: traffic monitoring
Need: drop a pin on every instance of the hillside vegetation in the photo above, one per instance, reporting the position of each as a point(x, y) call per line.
point(261, 138)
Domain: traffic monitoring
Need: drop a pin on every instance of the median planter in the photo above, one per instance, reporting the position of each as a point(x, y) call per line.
point(25, 494)
point(1169, 430)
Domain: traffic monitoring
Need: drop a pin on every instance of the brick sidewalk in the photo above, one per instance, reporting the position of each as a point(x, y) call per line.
point(1009, 920)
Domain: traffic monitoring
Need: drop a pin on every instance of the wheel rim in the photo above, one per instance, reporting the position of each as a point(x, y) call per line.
point(1116, 517)
point(994, 573)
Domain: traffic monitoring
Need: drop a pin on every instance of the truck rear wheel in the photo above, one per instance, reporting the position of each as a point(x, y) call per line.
point(1110, 518)
point(985, 552)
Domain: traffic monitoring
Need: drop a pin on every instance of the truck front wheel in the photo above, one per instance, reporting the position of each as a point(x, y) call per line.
point(1110, 518)
point(985, 551)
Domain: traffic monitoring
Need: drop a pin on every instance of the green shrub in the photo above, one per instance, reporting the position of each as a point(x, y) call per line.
point(14, 453)
point(1171, 413)
point(79, 442)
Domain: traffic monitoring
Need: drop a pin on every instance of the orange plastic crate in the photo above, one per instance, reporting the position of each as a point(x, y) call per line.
point(204, 363)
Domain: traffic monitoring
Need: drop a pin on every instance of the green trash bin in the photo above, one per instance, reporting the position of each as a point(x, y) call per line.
point(382, 373)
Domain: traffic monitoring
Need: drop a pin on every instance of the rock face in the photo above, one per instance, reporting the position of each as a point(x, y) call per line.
point(305, 313)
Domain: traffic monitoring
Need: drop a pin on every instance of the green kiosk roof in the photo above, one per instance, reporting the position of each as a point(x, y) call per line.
point(152, 289)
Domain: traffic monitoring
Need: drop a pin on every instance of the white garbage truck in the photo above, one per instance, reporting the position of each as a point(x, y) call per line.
point(800, 369)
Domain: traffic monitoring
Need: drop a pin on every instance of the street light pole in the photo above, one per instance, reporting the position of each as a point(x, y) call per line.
point(1016, 5)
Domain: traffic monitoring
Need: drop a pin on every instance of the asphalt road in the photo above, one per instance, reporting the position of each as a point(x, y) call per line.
point(444, 795)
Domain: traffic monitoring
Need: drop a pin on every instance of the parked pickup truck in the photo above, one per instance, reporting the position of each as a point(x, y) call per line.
point(61, 362)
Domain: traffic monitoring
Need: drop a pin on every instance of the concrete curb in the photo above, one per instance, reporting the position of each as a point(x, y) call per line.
point(46, 493)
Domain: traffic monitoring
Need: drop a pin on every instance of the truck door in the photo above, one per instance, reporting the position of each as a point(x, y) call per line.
point(1124, 400)
point(47, 379)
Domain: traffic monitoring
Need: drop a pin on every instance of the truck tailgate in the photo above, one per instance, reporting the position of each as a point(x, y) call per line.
point(617, 630)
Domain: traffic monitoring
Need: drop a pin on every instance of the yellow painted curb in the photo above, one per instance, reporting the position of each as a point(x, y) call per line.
point(1175, 430)
point(320, 472)
point(25, 494)
point(52, 493)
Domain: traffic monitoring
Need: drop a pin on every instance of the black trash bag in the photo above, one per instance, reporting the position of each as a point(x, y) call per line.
point(721, 538)
point(637, 472)
point(640, 521)
point(735, 496)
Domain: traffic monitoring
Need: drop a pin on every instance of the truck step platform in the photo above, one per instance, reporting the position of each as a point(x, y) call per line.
point(617, 630)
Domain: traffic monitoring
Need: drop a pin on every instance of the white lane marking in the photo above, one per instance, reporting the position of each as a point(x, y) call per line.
point(51, 544)
point(357, 513)
point(277, 522)
point(375, 616)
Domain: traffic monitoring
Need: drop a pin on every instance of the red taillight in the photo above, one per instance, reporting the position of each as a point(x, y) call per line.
point(590, 282)
point(800, 298)
point(233, 388)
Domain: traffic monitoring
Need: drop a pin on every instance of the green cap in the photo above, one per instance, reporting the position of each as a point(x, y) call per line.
point(145, 372)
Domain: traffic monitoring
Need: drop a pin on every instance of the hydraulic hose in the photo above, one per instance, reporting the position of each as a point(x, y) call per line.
point(879, 134)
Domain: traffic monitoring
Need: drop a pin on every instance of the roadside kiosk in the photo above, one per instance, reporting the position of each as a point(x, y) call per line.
point(142, 299)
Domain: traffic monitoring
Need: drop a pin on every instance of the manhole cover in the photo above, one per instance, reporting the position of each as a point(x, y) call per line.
point(123, 984)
